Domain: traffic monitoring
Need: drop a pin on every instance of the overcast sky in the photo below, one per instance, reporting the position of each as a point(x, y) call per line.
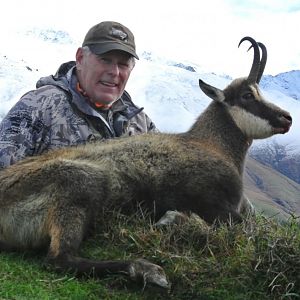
point(203, 32)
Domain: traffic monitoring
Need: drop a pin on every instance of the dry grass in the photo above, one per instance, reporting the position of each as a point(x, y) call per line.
point(258, 259)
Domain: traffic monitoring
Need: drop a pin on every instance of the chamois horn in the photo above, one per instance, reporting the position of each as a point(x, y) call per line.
point(263, 61)
point(255, 69)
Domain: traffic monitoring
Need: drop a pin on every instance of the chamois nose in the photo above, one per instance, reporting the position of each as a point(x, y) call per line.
point(287, 121)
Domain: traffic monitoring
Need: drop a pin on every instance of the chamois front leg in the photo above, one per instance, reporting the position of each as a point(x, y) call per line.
point(66, 232)
point(209, 217)
point(246, 207)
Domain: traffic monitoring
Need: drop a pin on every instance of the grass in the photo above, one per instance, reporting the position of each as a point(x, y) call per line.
point(258, 259)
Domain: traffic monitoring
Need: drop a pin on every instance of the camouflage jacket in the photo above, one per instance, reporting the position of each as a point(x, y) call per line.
point(56, 115)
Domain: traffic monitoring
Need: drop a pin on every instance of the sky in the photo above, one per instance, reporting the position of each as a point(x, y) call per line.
point(206, 33)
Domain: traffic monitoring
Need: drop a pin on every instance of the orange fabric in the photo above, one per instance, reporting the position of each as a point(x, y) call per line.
point(97, 104)
point(80, 90)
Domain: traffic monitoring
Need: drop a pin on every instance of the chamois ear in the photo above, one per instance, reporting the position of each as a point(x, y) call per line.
point(212, 92)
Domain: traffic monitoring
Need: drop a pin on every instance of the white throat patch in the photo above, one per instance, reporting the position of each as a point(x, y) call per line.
point(252, 126)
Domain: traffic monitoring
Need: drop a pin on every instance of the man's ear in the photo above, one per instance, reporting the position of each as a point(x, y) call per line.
point(79, 57)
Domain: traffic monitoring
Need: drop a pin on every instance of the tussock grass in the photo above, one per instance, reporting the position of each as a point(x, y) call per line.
point(258, 259)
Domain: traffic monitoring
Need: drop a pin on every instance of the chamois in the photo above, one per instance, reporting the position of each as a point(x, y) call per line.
point(53, 199)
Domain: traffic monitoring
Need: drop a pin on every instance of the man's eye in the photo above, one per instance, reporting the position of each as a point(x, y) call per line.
point(105, 60)
point(124, 64)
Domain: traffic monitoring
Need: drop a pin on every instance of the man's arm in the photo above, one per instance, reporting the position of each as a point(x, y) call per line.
point(141, 122)
point(18, 132)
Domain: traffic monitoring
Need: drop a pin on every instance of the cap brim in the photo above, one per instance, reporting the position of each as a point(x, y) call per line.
point(103, 48)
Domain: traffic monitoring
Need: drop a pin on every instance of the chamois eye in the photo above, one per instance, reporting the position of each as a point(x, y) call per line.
point(248, 96)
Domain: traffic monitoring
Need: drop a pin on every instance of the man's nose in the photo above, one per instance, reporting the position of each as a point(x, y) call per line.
point(114, 68)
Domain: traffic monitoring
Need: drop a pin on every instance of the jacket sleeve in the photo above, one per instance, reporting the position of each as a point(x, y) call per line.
point(140, 122)
point(19, 130)
point(150, 125)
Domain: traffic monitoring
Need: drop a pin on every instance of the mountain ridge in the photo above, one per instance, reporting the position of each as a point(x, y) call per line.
point(271, 192)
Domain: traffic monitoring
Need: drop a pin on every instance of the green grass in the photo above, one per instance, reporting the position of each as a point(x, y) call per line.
point(259, 259)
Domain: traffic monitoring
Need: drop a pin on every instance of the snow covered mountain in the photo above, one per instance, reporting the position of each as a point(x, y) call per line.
point(285, 83)
point(167, 89)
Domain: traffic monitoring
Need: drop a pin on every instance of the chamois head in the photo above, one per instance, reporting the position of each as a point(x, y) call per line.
point(255, 117)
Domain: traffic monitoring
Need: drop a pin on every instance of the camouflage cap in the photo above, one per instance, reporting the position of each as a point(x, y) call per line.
point(107, 36)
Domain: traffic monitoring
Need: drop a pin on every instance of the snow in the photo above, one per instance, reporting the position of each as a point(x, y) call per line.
point(168, 90)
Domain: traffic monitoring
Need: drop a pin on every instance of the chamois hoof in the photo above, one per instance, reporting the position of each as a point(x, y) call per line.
point(142, 269)
point(172, 217)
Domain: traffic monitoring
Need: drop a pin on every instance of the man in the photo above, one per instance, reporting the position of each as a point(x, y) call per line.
point(84, 101)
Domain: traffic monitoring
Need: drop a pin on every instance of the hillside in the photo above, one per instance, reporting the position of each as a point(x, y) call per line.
point(272, 193)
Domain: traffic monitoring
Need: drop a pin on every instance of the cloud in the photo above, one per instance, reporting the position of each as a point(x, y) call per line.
point(273, 6)
point(206, 33)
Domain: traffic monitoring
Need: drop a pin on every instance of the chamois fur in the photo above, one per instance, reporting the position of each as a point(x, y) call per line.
point(53, 199)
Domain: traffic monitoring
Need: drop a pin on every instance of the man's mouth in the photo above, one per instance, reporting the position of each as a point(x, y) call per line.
point(109, 84)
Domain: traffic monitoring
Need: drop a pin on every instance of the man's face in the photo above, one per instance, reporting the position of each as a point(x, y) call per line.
point(103, 77)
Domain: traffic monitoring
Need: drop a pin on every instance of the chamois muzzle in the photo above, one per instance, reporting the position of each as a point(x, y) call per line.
point(286, 121)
